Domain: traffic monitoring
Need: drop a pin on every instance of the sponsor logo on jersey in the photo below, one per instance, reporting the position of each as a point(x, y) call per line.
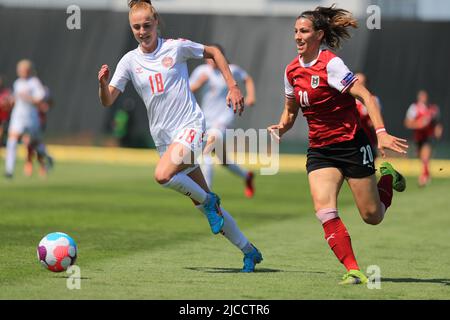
point(139, 70)
point(315, 81)
point(167, 62)
point(347, 79)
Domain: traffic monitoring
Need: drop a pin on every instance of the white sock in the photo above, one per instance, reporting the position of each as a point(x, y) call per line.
point(185, 185)
point(236, 170)
point(10, 160)
point(231, 231)
point(208, 169)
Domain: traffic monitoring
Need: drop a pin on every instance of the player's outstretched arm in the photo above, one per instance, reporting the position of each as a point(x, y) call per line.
point(385, 140)
point(287, 119)
point(235, 99)
point(107, 94)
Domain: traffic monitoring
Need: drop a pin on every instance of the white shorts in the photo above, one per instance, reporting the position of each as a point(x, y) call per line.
point(193, 139)
point(25, 127)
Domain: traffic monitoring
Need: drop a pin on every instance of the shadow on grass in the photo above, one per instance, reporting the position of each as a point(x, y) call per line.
point(67, 277)
point(238, 270)
point(229, 270)
point(445, 282)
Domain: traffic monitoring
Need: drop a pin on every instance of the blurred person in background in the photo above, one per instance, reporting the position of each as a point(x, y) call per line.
point(6, 104)
point(219, 116)
point(45, 160)
point(24, 124)
point(423, 118)
point(366, 122)
point(318, 83)
point(158, 70)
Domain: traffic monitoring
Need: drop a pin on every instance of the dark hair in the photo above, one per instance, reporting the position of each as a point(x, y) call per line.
point(132, 3)
point(334, 23)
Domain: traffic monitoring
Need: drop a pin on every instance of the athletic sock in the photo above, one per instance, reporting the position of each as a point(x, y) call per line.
point(182, 183)
point(10, 160)
point(208, 169)
point(339, 241)
point(385, 190)
point(232, 232)
point(426, 169)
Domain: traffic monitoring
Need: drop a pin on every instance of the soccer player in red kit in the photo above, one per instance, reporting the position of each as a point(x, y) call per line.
point(423, 118)
point(318, 83)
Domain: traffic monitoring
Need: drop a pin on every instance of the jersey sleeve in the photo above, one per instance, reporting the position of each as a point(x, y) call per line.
point(196, 74)
point(121, 75)
point(288, 88)
point(37, 90)
point(411, 114)
point(339, 76)
point(239, 73)
point(188, 49)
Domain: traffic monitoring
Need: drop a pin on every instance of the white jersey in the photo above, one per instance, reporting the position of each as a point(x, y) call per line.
point(214, 93)
point(25, 116)
point(162, 81)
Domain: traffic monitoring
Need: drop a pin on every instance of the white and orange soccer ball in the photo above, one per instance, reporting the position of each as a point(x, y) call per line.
point(57, 251)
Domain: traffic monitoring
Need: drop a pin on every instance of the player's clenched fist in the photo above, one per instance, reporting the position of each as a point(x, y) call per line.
point(103, 74)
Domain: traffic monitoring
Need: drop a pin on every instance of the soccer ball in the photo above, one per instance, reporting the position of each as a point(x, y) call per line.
point(57, 251)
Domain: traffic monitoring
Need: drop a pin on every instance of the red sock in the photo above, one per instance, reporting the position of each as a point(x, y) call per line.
point(339, 241)
point(426, 170)
point(385, 190)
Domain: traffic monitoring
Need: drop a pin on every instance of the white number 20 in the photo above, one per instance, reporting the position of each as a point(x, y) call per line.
point(303, 96)
point(367, 152)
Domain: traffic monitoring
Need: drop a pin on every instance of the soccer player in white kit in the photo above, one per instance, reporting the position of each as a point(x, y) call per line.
point(218, 116)
point(28, 92)
point(158, 70)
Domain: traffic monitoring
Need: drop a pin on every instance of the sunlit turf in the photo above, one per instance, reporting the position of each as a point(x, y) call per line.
point(137, 240)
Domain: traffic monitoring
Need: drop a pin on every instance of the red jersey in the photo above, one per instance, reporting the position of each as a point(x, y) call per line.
point(426, 114)
point(5, 108)
point(319, 88)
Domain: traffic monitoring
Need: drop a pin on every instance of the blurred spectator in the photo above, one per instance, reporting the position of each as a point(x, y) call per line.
point(423, 118)
point(6, 104)
point(40, 149)
point(219, 116)
point(24, 122)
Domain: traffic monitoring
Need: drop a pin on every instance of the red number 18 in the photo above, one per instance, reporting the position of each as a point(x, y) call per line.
point(159, 83)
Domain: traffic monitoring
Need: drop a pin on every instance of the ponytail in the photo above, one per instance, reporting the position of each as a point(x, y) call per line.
point(334, 23)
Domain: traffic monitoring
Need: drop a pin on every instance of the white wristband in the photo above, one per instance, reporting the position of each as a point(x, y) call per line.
point(379, 130)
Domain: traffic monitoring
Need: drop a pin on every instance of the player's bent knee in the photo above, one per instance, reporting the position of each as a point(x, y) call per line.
point(162, 176)
point(372, 217)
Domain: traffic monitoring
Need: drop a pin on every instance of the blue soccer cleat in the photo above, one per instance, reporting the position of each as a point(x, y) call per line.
point(213, 213)
point(251, 259)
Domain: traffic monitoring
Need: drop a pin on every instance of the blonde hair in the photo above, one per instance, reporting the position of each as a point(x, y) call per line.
point(135, 5)
point(334, 23)
point(28, 64)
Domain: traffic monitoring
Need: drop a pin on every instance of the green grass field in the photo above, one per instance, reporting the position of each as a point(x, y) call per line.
point(137, 240)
